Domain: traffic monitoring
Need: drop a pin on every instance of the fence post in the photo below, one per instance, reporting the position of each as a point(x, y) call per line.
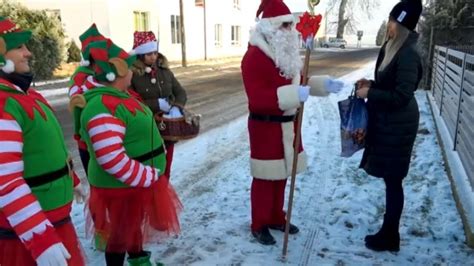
point(444, 81)
point(460, 98)
point(434, 70)
point(429, 78)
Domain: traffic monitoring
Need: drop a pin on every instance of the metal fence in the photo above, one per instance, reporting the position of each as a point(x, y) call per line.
point(453, 90)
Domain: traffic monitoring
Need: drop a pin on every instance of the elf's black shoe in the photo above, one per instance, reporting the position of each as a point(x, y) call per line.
point(264, 237)
point(293, 228)
point(383, 241)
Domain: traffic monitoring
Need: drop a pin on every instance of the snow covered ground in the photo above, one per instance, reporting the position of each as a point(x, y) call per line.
point(335, 206)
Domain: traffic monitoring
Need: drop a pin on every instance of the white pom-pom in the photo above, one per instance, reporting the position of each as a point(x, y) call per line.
point(9, 66)
point(153, 80)
point(147, 69)
point(110, 76)
point(85, 63)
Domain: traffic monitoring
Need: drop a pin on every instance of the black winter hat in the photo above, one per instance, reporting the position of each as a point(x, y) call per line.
point(407, 13)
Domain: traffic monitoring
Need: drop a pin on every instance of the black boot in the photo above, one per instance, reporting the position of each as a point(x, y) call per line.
point(383, 242)
point(293, 228)
point(386, 239)
point(264, 237)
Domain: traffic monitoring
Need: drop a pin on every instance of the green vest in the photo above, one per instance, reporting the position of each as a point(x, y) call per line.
point(44, 150)
point(141, 133)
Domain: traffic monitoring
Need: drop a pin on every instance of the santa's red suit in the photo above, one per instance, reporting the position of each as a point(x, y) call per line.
point(272, 101)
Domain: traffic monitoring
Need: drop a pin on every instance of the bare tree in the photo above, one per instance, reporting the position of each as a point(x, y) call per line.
point(347, 12)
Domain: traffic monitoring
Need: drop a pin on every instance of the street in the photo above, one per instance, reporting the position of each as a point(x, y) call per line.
point(216, 92)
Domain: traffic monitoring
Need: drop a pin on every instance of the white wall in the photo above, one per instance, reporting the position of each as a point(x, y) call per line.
point(121, 20)
point(76, 15)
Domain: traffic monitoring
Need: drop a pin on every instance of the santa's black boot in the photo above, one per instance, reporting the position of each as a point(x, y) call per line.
point(263, 236)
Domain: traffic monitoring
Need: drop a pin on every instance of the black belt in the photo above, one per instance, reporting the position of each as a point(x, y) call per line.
point(149, 155)
point(39, 180)
point(8, 233)
point(272, 118)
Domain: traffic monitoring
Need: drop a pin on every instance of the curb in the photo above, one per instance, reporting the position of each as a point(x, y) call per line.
point(451, 172)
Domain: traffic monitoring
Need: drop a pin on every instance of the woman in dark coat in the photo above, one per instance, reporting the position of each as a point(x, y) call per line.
point(393, 117)
point(156, 84)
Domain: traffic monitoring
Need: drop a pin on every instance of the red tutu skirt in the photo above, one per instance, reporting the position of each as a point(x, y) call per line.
point(128, 218)
point(14, 253)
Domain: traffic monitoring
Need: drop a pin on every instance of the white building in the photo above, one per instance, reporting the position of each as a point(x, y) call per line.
point(222, 32)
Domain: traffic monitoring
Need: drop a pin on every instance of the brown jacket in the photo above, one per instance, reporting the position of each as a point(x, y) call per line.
point(166, 85)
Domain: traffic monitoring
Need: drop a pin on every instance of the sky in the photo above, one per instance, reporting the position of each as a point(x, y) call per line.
point(369, 26)
point(335, 205)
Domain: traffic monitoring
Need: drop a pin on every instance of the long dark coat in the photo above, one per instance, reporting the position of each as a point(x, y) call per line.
point(166, 85)
point(393, 113)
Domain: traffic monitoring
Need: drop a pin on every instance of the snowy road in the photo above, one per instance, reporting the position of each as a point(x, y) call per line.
point(336, 204)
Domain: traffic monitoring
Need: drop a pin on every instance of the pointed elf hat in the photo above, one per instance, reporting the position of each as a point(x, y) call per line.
point(274, 11)
point(11, 37)
point(144, 42)
point(110, 60)
point(92, 34)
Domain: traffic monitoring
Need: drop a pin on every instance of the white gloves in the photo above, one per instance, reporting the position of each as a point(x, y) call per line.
point(174, 112)
point(80, 194)
point(55, 255)
point(333, 85)
point(164, 105)
point(303, 93)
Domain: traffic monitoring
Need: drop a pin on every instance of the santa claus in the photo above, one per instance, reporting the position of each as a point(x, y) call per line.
point(271, 72)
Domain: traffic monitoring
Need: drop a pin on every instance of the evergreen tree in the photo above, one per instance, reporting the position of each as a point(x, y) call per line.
point(73, 53)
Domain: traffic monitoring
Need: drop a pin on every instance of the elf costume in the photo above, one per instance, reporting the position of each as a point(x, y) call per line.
point(36, 179)
point(130, 203)
point(81, 81)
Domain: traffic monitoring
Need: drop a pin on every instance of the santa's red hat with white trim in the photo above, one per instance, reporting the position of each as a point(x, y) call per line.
point(144, 42)
point(274, 11)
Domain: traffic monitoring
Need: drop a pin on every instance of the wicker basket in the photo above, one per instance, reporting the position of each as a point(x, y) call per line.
point(174, 129)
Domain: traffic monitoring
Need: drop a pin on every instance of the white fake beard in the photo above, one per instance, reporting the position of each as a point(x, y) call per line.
point(285, 44)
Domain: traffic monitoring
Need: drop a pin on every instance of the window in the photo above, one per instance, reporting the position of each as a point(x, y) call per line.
point(199, 2)
point(175, 29)
point(218, 35)
point(236, 4)
point(140, 20)
point(235, 36)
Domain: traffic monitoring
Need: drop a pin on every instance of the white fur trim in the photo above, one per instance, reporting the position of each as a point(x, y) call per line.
point(9, 66)
point(317, 86)
point(146, 48)
point(288, 139)
point(275, 169)
point(256, 39)
point(288, 97)
point(110, 76)
point(132, 52)
point(277, 21)
point(84, 63)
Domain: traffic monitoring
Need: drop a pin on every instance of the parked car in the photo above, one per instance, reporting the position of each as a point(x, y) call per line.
point(334, 42)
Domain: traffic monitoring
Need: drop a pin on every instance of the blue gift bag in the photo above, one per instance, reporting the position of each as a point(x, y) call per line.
point(354, 117)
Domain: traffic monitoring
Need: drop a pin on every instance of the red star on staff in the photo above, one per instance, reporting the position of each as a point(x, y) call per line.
point(308, 25)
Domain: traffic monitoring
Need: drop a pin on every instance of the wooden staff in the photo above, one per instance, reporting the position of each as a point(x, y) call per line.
point(295, 154)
